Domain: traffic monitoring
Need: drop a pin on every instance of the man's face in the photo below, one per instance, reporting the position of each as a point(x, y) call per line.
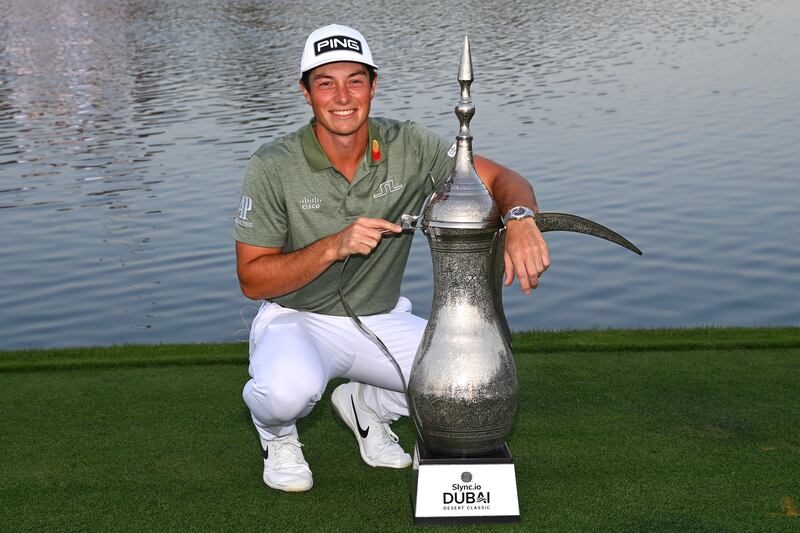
point(340, 95)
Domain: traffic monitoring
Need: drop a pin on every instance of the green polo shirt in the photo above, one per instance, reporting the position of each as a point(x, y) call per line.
point(292, 196)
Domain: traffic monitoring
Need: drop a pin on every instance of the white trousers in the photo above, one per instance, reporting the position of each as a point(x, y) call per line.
point(294, 354)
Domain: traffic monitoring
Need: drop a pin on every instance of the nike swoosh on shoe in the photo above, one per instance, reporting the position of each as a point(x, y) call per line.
point(362, 432)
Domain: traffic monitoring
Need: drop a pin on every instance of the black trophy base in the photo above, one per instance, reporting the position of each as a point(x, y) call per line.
point(468, 490)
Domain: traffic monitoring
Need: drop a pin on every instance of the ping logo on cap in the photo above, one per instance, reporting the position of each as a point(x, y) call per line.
point(337, 42)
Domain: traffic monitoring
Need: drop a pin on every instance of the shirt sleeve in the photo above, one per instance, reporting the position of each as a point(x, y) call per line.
point(261, 216)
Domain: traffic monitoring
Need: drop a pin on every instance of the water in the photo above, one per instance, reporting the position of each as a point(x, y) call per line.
point(125, 128)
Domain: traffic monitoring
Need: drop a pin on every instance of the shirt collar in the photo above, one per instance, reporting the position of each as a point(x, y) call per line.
point(316, 157)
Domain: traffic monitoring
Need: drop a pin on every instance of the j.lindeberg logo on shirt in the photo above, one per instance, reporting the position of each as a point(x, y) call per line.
point(386, 187)
point(310, 203)
point(245, 206)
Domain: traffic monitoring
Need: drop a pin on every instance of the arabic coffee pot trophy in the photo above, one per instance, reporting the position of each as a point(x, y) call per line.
point(463, 388)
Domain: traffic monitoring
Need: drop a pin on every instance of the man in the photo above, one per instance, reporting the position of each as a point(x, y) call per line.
point(333, 189)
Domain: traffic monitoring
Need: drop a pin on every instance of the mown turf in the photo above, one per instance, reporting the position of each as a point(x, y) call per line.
point(670, 430)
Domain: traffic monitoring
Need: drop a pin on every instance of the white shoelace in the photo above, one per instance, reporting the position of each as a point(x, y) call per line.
point(286, 451)
point(386, 437)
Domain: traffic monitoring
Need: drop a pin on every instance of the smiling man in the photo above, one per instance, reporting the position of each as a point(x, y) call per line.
point(336, 188)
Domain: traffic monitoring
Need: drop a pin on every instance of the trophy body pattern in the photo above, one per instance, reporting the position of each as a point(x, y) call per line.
point(463, 383)
point(463, 389)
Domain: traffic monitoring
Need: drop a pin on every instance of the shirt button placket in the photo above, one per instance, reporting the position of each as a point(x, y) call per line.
point(348, 203)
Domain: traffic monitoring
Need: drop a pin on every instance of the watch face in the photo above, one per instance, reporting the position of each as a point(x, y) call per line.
point(518, 213)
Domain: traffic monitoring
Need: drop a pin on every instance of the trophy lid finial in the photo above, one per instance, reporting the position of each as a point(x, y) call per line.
point(462, 201)
point(465, 68)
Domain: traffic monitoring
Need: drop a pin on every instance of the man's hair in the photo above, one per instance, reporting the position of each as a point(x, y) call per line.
point(307, 76)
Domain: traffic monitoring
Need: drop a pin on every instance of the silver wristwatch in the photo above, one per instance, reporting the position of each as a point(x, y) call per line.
point(517, 213)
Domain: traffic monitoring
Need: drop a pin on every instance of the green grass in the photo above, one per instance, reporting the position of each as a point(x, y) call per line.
point(652, 430)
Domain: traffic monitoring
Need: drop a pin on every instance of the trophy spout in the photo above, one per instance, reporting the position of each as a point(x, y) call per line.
point(573, 223)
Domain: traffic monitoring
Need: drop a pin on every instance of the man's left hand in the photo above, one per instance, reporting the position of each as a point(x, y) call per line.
point(525, 255)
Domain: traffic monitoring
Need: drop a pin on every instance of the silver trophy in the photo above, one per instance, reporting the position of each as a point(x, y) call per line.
point(463, 388)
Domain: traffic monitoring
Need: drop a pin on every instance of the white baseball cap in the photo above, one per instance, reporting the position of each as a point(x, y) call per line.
point(335, 43)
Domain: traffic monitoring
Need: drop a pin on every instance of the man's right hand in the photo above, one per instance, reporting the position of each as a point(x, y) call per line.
point(362, 236)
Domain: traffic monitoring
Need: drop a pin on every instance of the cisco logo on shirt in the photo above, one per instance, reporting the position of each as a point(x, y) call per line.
point(307, 203)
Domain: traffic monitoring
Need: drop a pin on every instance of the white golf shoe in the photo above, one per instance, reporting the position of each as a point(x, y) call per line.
point(377, 443)
point(284, 466)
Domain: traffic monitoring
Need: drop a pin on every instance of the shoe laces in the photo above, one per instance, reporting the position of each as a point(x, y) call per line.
point(286, 450)
point(386, 437)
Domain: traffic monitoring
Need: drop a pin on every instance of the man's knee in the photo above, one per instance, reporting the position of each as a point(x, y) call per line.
point(279, 399)
point(288, 376)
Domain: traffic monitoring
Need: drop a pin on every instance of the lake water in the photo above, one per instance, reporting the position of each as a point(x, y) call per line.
point(125, 129)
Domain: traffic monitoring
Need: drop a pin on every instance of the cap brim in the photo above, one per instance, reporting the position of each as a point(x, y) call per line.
point(319, 64)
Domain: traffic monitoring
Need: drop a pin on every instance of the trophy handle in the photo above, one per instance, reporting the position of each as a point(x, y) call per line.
point(496, 284)
point(412, 222)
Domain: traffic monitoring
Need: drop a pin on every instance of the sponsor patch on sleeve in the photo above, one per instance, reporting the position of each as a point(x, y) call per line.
point(245, 206)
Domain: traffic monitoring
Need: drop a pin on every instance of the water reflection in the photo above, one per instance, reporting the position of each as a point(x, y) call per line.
point(125, 127)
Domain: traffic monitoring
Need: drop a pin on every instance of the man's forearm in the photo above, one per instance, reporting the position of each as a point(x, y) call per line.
point(526, 252)
point(273, 275)
point(510, 189)
point(269, 272)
